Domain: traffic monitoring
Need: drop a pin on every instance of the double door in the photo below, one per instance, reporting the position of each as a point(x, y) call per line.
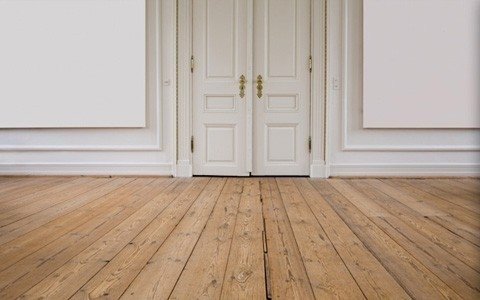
point(251, 87)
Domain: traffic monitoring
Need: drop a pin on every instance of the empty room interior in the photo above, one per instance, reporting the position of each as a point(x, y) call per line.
point(240, 149)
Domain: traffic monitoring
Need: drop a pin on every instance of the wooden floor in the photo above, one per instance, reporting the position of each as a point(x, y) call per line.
point(247, 238)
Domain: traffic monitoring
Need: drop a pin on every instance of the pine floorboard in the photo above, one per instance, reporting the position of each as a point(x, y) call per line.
point(239, 238)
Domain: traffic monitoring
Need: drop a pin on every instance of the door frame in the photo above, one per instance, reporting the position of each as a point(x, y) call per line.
point(184, 108)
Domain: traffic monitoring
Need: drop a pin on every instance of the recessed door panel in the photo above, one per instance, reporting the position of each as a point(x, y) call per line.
point(281, 36)
point(221, 41)
point(219, 103)
point(281, 142)
point(281, 103)
point(220, 144)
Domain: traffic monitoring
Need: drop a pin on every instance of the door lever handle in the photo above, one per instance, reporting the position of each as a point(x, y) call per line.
point(242, 82)
point(259, 86)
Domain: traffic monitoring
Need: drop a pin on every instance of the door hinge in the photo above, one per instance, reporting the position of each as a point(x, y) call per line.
point(191, 144)
point(192, 63)
point(310, 63)
point(310, 144)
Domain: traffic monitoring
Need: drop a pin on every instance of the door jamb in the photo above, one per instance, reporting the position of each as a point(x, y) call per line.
point(184, 160)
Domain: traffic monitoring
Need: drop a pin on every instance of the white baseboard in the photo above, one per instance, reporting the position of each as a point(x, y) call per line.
point(86, 169)
point(184, 169)
point(405, 170)
point(319, 170)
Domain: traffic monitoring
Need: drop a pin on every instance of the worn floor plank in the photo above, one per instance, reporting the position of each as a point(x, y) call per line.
point(448, 195)
point(158, 277)
point(107, 261)
point(329, 277)
point(20, 277)
point(417, 280)
point(421, 238)
point(245, 273)
point(211, 253)
point(116, 276)
point(288, 277)
point(392, 200)
point(374, 281)
point(240, 238)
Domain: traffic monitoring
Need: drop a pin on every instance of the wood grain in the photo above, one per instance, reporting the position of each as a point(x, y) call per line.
point(158, 277)
point(417, 280)
point(239, 238)
point(245, 274)
point(211, 252)
point(288, 277)
point(328, 275)
point(374, 281)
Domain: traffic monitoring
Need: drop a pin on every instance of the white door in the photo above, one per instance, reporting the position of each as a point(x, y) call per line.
point(219, 109)
point(281, 54)
point(225, 143)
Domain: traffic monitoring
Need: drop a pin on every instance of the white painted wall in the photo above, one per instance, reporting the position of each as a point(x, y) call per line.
point(356, 151)
point(68, 63)
point(421, 63)
point(148, 150)
point(351, 150)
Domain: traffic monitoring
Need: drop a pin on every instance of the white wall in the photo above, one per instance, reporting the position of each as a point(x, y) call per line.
point(356, 151)
point(424, 72)
point(148, 150)
point(351, 149)
point(74, 60)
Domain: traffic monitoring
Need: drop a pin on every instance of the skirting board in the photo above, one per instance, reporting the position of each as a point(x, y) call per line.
point(86, 169)
point(405, 170)
point(317, 170)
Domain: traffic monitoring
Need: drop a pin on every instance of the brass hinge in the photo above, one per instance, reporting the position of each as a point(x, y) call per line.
point(310, 144)
point(192, 63)
point(310, 63)
point(191, 144)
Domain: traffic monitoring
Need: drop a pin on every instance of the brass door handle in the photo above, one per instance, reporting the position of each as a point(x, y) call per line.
point(242, 82)
point(259, 86)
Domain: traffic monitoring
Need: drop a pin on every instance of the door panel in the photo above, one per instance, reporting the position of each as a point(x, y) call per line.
point(282, 113)
point(219, 116)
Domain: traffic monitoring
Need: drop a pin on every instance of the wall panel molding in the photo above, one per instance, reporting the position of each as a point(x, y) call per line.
point(155, 103)
point(346, 145)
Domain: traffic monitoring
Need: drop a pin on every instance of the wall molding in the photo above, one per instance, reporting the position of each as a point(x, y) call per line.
point(154, 147)
point(405, 170)
point(346, 146)
point(153, 169)
point(156, 7)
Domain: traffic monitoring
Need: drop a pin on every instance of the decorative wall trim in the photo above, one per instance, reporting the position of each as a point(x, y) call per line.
point(405, 170)
point(389, 148)
point(404, 148)
point(86, 169)
point(318, 88)
point(158, 144)
point(155, 147)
